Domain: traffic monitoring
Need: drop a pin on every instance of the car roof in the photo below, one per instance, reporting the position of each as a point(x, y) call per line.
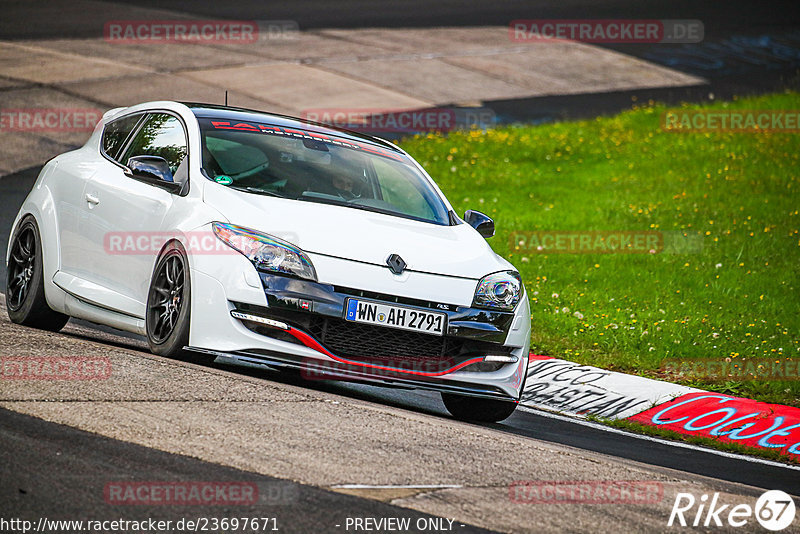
point(211, 111)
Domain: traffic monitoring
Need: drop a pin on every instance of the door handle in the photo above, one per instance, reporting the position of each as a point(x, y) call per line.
point(91, 199)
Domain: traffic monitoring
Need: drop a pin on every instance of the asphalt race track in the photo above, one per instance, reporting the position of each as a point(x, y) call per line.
point(49, 466)
point(42, 463)
point(259, 423)
point(771, 33)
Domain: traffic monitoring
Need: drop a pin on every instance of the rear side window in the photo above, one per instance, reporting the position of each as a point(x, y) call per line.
point(116, 132)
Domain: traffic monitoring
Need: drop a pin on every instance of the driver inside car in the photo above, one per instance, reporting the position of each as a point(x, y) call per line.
point(343, 185)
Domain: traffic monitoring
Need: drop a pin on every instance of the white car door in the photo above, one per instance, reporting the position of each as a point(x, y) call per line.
point(123, 228)
point(72, 201)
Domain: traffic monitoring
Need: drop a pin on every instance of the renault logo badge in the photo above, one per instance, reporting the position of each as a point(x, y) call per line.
point(396, 264)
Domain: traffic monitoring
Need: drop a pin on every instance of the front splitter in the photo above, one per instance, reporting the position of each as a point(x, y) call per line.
point(335, 371)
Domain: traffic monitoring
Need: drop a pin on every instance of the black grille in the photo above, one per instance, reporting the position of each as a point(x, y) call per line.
point(363, 341)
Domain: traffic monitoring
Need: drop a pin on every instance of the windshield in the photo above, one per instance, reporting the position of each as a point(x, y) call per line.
point(307, 166)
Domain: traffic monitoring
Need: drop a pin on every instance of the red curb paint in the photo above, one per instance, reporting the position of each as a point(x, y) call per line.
point(536, 357)
point(732, 419)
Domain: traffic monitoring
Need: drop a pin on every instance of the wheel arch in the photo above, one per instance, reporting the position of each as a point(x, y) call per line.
point(173, 244)
point(40, 205)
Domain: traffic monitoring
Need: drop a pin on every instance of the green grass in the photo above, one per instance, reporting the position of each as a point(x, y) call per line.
point(737, 194)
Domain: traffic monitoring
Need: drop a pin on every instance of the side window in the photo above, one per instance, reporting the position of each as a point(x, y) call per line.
point(160, 135)
point(399, 191)
point(116, 133)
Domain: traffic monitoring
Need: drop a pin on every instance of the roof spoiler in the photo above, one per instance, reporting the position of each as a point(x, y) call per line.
point(112, 112)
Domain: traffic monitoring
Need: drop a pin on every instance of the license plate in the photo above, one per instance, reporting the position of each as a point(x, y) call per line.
point(362, 311)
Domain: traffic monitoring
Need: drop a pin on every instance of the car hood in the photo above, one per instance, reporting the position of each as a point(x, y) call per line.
point(360, 235)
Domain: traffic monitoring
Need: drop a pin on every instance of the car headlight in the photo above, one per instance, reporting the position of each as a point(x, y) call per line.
point(498, 291)
point(266, 252)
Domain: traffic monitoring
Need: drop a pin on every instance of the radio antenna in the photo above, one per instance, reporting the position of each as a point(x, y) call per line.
point(226, 98)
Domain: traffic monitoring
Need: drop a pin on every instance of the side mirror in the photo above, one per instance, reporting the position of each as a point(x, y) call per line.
point(150, 168)
point(481, 222)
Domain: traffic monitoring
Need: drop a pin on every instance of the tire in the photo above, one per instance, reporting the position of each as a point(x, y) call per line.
point(169, 303)
point(477, 409)
point(25, 299)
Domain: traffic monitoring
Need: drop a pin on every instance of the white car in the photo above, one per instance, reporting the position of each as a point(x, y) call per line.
point(265, 240)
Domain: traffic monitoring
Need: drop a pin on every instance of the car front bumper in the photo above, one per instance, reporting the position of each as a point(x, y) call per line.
point(265, 320)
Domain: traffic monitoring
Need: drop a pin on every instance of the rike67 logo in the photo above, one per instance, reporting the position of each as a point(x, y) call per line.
point(774, 510)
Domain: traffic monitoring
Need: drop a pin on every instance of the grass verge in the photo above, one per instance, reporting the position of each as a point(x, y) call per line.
point(725, 290)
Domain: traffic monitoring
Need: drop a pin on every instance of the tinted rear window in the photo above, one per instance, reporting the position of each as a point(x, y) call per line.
point(116, 132)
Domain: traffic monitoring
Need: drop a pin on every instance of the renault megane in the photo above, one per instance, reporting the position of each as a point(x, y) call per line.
point(265, 240)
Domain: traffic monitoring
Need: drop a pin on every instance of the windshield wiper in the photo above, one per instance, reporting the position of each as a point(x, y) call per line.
point(342, 202)
point(256, 191)
point(346, 203)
